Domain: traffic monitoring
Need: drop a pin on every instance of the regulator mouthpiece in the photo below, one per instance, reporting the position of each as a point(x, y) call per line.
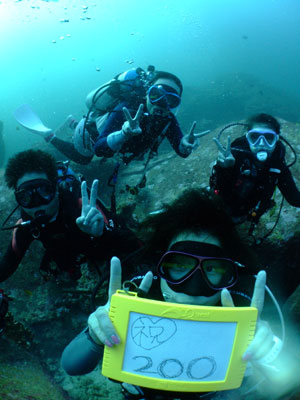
point(262, 155)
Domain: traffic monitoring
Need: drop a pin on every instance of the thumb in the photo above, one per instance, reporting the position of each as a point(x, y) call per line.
point(226, 298)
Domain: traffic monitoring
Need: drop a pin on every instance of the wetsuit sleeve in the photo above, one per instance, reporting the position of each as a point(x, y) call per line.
point(112, 125)
point(222, 178)
point(82, 355)
point(14, 254)
point(288, 188)
point(174, 135)
point(68, 150)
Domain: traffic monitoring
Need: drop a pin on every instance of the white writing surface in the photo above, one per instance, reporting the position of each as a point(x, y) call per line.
point(178, 349)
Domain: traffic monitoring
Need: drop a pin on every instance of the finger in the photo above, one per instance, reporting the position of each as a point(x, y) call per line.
point(261, 343)
point(226, 298)
point(258, 297)
point(115, 276)
point(84, 197)
point(146, 283)
point(228, 148)
point(139, 113)
point(101, 328)
point(80, 222)
point(220, 147)
point(92, 216)
point(94, 192)
point(191, 132)
point(127, 115)
point(200, 134)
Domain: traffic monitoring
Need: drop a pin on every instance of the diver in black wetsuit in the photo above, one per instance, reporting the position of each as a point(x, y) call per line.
point(247, 172)
point(55, 212)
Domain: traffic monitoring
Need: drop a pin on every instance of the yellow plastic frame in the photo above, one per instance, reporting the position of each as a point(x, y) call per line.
point(122, 303)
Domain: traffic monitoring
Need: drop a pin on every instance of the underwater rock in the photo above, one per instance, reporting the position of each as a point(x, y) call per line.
point(23, 377)
point(2, 146)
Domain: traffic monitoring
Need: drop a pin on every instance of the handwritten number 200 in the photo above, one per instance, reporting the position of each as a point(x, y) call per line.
point(161, 369)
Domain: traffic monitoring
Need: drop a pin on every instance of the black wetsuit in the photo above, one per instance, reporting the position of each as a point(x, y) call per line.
point(248, 186)
point(65, 243)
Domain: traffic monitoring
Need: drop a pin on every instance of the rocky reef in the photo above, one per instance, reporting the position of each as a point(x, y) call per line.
point(46, 315)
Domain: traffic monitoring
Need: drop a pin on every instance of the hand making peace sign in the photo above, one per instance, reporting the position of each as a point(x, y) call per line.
point(225, 157)
point(131, 126)
point(91, 220)
point(263, 338)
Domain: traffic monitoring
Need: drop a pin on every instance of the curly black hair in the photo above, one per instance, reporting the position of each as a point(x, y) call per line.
point(265, 119)
point(166, 75)
point(30, 161)
point(196, 211)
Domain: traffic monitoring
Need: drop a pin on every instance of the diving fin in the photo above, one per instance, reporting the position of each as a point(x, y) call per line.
point(30, 120)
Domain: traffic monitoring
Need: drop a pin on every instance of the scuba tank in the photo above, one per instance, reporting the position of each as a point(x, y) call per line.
point(131, 84)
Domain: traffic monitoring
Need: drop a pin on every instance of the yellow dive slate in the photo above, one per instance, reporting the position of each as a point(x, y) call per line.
point(178, 347)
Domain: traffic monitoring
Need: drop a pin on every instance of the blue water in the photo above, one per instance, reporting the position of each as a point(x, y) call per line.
point(53, 53)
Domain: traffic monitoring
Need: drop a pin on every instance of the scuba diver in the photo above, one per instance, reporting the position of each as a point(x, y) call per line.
point(200, 260)
point(55, 210)
point(247, 171)
point(129, 115)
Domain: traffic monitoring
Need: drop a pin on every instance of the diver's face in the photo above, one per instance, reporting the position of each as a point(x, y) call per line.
point(155, 108)
point(30, 182)
point(262, 141)
point(180, 297)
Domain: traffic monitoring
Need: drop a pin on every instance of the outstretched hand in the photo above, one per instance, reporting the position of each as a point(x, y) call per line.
point(225, 157)
point(263, 338)
point(91, 220)
point(101, 328)
point(131, 126)
point(189, 141)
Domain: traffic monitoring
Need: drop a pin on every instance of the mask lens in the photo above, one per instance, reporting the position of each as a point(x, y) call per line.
point(254, 136)
point(35, 193)
point(175, 266)
point(270, 138)
point(23, 197)
point(45, 191)
point(220, 273)
point(155, 94)
point(173, 100)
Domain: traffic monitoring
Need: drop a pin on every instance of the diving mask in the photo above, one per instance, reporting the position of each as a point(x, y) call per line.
point(164, 96)
point(262, 137)
point(35, 193)
point(196, 275)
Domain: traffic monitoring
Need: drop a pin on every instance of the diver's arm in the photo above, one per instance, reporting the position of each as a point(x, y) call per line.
point(288, 188)
point(175, 135)
point(82, 355)
point(8, 264)
point(15, 253)
point(68, 150)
